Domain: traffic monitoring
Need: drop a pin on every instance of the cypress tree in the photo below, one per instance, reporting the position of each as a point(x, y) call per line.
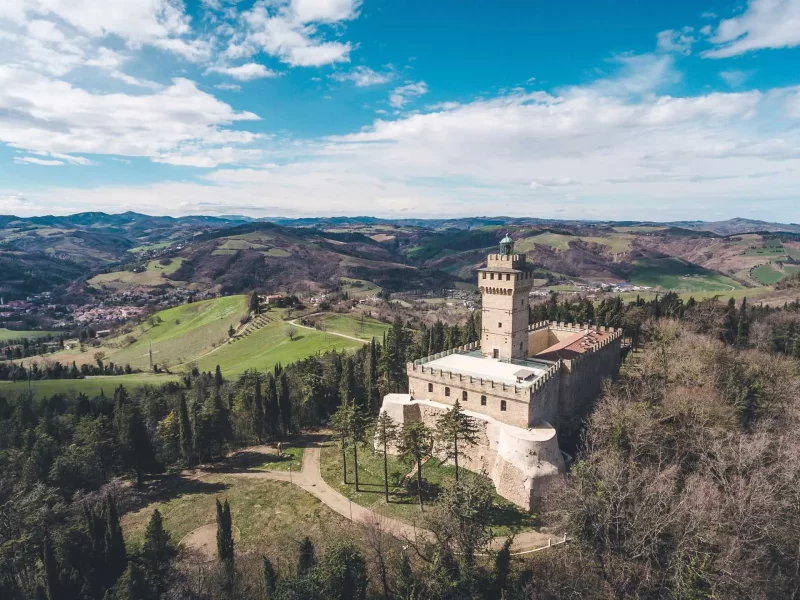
point(186, 432)
point(272, 411)
point(52, 585)
point(270, 578)
point(345, 573)
point(385, 434)
point(284, 404)
point(307, 556)
point(743, 327)
point(116, 559)
point(257, 416)
point(218, 381)
point(224, 532)
point(502, 569)
point(158, 551)
point(406, 587)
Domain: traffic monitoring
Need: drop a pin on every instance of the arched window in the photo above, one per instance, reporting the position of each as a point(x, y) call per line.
point(430, 387)
point(447, 391)
point(464, 396)
point(502, 404)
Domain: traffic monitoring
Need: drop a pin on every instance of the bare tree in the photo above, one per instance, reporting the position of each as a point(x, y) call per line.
point(291, 332)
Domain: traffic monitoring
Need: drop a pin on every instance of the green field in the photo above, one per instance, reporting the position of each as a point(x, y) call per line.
point(506, 517)
point(749, 293)
point(365, 329)
point(10, 334)
point(676, 274)
point(793, 253)
point(91, 386)
point(145, 247)
point(768, 251)
point(767, 274)
point(640, 228)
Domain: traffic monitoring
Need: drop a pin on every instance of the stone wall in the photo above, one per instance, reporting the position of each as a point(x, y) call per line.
point(521, 463)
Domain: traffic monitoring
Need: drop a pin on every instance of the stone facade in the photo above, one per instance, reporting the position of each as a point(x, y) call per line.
point(533, 384)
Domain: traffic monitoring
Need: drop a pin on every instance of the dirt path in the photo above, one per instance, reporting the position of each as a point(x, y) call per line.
point(310, 479)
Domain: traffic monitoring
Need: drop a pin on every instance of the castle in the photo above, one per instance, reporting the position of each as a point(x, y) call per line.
point(524, 385)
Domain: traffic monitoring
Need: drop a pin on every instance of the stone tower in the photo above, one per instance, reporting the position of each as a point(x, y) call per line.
point(505, 285)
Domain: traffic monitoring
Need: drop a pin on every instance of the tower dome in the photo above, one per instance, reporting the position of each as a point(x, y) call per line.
point(507, 246)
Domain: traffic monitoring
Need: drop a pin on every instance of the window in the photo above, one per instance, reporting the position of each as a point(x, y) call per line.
point(502, 404)
point(483, 400)
point(508, 276)
point(430, 387)
point(520, 345)
point(447, 391)
point(491, 275)
point(484, 275)
point(463, 396)
point(499, 325)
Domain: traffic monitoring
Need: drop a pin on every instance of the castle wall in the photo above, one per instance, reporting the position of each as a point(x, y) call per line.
point(522, 463)
point(582, 382)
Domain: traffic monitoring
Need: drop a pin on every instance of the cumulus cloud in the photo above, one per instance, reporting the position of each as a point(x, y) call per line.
point(42, 114)
point(292, 31)
point(402, 95)
point(364, 76)
point(764, 24)
point(671, 40)
point(246, 72)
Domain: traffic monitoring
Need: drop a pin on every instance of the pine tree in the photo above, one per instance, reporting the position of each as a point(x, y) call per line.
point(406, 586)
point(371, 377)
point(270, 578)
point(133, 585)
point(502, 569)
point(453, 428)
point(224, 532)
point(415, 444)
point(185, 432)
point(254, 303)
point(140, 450)
point(218, 380)
point(307, 556)
point(385, 434)
point(345, 572)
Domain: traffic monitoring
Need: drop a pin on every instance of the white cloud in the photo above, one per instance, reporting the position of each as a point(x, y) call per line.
point(246, 72)
point(231, 87)
point(40, 114)
point(38, 161)
point(735, 78)
point(765, 24)
point(364, 76)
point(671, 40)
point(289, 30)
point(402, 95)
point(548, 182)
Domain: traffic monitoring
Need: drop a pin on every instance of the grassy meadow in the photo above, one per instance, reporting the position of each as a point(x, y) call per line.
point(676, 274)
point(10, 334)
point(91, 386)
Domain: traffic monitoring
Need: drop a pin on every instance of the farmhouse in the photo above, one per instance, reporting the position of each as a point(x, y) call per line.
point(524, 385)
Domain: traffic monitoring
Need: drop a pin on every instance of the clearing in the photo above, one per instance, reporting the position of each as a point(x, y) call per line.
point(364, 328)
point(154, 274)
point(676, 274)
point(506, 517)
point(358, 288)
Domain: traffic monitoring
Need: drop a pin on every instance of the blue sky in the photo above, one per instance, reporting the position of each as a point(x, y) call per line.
point(592, 109)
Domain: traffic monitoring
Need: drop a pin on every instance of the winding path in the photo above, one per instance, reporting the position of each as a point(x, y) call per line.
point(344, 335)
point(310, 479)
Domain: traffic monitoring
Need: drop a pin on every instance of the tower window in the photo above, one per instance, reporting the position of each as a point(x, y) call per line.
point(430, 387)
point(484, 275)
point(447, 391)
point(502, 404)
point(499, 325)
point(508, 276)
point(483, 400)
point(491, 275)
point(464, 396)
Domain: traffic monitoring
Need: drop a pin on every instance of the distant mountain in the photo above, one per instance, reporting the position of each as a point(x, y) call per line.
point(737, 226)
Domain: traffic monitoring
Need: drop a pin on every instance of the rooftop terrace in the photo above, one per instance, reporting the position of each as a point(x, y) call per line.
point(520, 373)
